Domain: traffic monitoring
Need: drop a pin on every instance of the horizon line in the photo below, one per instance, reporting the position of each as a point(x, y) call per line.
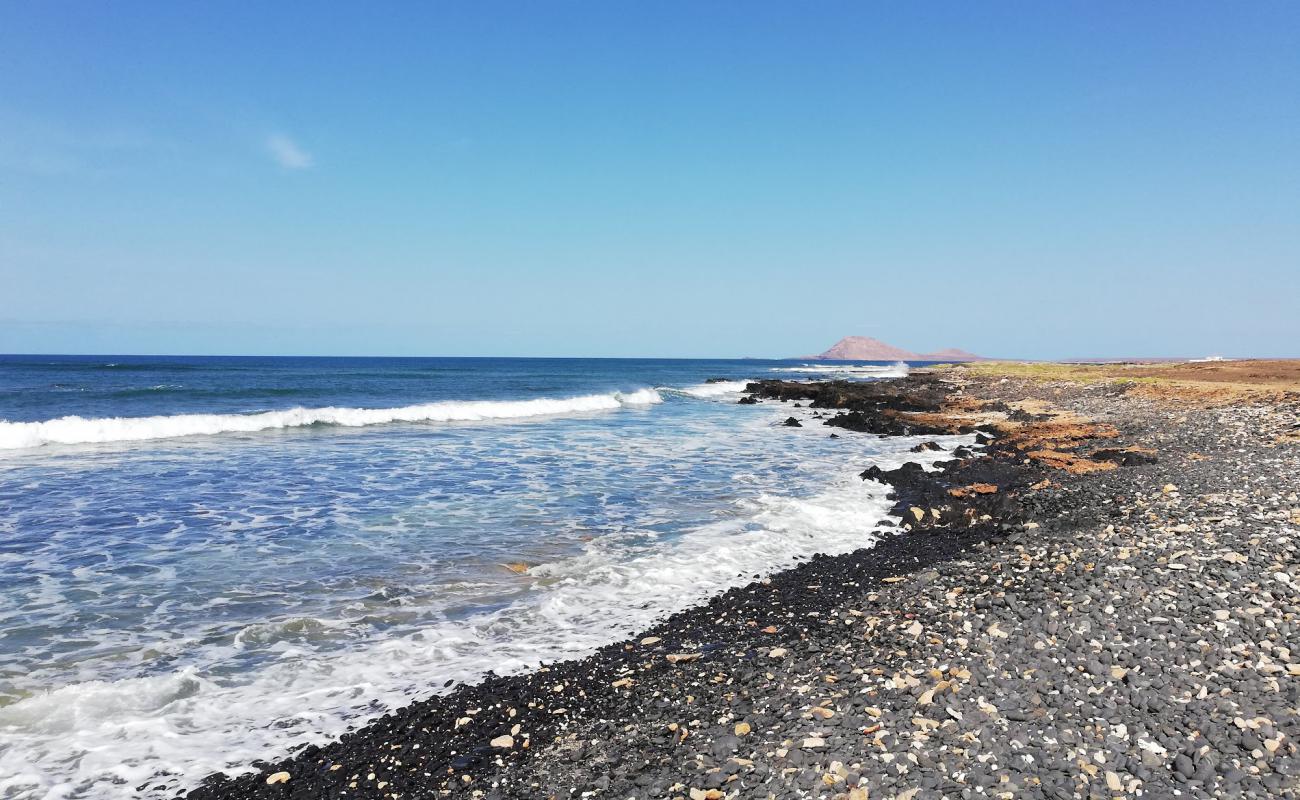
point(1072, 359)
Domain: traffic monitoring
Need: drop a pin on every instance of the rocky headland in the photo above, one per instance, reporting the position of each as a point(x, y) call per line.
point(1097, 597)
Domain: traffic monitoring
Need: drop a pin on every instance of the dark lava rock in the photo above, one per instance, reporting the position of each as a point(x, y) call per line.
point(791, 422)
point(932, 491)
point(747, 401)
point(917, 393)
point(904, 475)
point(878, 407)
point(872, 422)
point(924, 446)
point(1127, 458)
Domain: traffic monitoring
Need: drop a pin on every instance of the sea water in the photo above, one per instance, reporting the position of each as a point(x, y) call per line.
point(206, 561)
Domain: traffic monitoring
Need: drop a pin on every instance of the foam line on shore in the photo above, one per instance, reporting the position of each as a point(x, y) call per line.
point(80, 430)
point(101, 738)
point(898, 369)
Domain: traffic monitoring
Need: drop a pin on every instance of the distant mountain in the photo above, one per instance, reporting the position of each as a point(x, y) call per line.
point(864, 348)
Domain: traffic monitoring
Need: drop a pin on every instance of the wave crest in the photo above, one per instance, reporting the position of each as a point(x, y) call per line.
point(79, 430)
point(706, 391)
point(898, 369)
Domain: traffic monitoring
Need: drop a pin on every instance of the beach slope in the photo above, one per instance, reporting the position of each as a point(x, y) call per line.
point(1097, 600)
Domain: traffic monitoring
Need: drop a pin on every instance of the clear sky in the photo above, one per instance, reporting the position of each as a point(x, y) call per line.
point(649, 179)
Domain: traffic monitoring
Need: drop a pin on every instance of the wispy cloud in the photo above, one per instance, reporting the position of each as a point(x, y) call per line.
point(47, 147)
point(287, 153)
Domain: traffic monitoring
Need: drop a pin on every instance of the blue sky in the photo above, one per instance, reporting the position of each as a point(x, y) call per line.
point(649, 179)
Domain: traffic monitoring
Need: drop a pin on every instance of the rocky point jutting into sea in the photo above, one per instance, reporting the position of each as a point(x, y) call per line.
point(1097, 598)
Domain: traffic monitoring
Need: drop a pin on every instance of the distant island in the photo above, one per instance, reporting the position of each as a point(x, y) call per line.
point(865, 348)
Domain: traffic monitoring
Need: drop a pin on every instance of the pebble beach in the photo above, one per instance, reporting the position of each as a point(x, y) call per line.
point(1097, 598)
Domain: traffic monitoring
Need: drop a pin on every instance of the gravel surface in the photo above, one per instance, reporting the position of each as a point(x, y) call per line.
point(1128, 630)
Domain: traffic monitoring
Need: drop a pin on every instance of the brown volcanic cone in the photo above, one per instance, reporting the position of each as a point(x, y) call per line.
point(865, 348)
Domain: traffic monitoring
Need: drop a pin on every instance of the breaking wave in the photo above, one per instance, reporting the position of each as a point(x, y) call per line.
point(79, 430)
point(706, 391)
point(898, 369)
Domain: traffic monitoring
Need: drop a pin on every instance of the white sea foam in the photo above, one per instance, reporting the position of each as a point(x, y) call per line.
point(709, 390)
point(79, 430)
point(98, 739)
point(898, 369)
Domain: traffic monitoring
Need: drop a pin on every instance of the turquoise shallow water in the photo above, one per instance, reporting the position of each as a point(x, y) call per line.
point(203, 560)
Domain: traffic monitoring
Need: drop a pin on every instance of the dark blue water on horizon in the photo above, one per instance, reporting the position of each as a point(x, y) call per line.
point(41, 387)
point(205, 560)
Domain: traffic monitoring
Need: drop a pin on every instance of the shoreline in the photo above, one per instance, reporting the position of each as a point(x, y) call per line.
point(722, 700)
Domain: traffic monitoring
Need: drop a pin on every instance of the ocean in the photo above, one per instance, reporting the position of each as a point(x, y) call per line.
point(206, 561)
